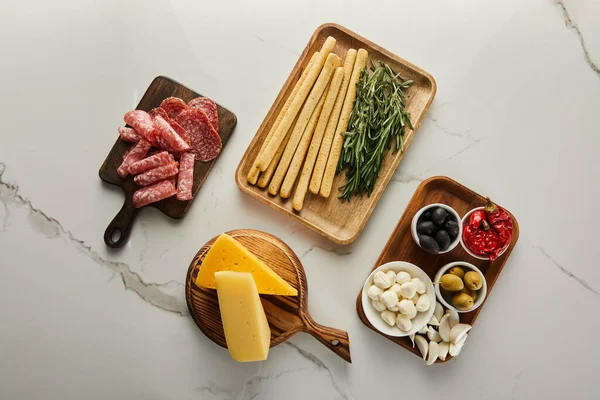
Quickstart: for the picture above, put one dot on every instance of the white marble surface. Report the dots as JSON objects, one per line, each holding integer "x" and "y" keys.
{"x": 519, "y": 87}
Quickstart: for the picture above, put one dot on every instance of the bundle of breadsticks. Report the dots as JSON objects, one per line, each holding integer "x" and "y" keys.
{"x": 304, "y": 144}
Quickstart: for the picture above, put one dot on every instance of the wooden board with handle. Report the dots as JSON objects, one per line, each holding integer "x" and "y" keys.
{"x": 401, "y": 246}
{"x": 287, "y": 315}
{"x": 160, "y": 88}
{"x": 328, "y": 216}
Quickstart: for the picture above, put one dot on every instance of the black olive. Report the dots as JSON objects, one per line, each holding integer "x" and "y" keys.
{"x": 426, "y": 216}
{"x": 439, "y": 216}
{"x": 452, "y": 228}
{"x": 429, "y": 244}
{"x": 426, "y": 228}
{"x": 443, "y": 239}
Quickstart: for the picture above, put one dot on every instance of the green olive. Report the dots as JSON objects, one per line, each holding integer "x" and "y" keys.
{"x": 458, "y": 271}
{"x": 462, "y": 301}
{"x": 472, "y": 293}
{"x": 473, "y": 280}
{"x": 452, "y": 283}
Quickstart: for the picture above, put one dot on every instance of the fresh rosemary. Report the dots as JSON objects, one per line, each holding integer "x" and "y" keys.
{"x": 377, "y": 117}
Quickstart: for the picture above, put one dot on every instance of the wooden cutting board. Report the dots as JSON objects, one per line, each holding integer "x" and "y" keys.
{"x": 401, "y": 246}
{"x": 287, "y": 315}
{"x": 160, "y": 88}
{"x": 329, "y": 217}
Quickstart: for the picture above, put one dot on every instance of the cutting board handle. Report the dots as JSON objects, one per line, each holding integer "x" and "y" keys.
{"x": 335, "y": 339}
{"x": 117, "y": 232}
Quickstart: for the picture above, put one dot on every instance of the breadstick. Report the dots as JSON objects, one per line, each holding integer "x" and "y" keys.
{"x": 292, "y": 173}
{"x": 338, "y": 140}
{"x": 264, "y": 159}
{"x": 317, "y": 176}
{"x": 311, "y": 157}
{"x": 265, "y": 176}
{"x": 315, "y": 95}
{"x": 254, "y": 171}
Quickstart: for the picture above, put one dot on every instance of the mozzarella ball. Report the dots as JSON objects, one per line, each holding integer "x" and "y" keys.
{"x": 389, "y": 317}
{"x": 407, "y": 308}
{"x": 381, "y": 280}
{"x": 423, "y": 303}
{"x": 374, "y": 292}
{"x": 403, "y": 322}
{"x": 420, "y": 285}
{"x": 389, "y": 298}
{"x": 408, "y": 289}
{"x": 378, "y": 305}
{"x": 402, "y": 277}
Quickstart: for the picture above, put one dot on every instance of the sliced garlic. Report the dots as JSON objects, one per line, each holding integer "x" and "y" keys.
{"x": 378, "y": 305}
{"x": 389, "y": 317}
{"x": 407, "y": 308}
{"x": 402, "y": 277}
{"x": 444, "y": 328}
{"x": 389, "y": 298}
{"x": 454, "y": 318}
{"x": 444, "y": 347}
{"x": 439, "y": 311}
{"x": 408, "y": 289}
{"x": 423, "y": 330}
{"x": 396, "y": 289}
{"x": 458, "y": 331}
{"x": 422, "y": 344}
{"x": 374, "y": 292}
{"x": 433, "y": 335}
{"x": 423, "y": 303}
{"x": 403, "y": 322}
{"x": 381, "y": 280}
{"x": 412, "y": 339}
{"x": 433, "y": 353}
{"x": 433, "y": 321}
{"x": 421, "y": 288}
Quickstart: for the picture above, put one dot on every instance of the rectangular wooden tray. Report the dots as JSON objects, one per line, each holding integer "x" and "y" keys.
{"x": 401, "y": 247}
{"x": 160, "y": 88}
{"x": 329, "y": 217}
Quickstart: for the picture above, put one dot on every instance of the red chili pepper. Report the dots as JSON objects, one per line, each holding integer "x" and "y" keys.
{"x": 489, "y": 231}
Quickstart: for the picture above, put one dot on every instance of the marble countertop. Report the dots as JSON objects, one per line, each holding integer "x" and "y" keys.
{"x": 518, "y": 88}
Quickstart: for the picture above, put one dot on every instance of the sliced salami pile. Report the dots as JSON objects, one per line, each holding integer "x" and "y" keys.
{"x": 180, "y": 133}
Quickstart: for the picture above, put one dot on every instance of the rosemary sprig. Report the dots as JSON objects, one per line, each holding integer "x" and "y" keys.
{"x": 377, "y": 119}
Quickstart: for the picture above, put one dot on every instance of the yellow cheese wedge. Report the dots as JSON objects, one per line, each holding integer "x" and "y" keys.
{"x": 227, "y": 254}
{"x": 247, "y": 331}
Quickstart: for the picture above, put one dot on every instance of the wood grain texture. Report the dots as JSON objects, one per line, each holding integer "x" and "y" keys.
{"x": 329, "y": 216}
{"x": 401, "y": 247}
{"x": 287, "y": 315}
{"x": 160, "y": 88}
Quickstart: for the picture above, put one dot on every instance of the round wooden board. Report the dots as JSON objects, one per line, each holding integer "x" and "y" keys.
{"x": 286, "y": 314}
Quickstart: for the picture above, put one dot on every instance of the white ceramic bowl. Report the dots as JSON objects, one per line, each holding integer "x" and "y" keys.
{"x": 413, "y": 225}
{"x": 421, "y": 318}
{"x": 463, "y": 223}
{"x": 481, "y": 293}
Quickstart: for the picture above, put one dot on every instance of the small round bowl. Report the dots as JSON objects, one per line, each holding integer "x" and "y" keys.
{"x": 481, "y": 293}
{"x": 418, "y": 322}
{"x": 463, "y": 223}
{"x": 413, "y": 225}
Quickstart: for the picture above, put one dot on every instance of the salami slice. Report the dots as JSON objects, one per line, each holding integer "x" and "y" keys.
{"x": 210, "y": 109}
{"x": 143, "y": 124}
{"x": 155, "y": 160}
{"x": 173, "y": 106}
{"x": 186, "y": 177}
{"x": 154, "y": 193}
{"x": 173, "y": 140}
{"x": 206, "y": 143}
{"x": 157, "y": 174}
{"x": 158, "y": 111}
{"x": 128, "y": 134}
{"x": 180, "y": 131}
{"x": 137, "y": 152}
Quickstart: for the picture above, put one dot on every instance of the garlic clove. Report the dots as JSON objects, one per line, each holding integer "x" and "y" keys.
{"x": 374, "y": 292}
{"x": 433, "y": 321}
{"x": 421, "y": 288}
{"x": 454, "y": 318}
{"x": 396, "y": 289}
{"x": 423, "y": 303}
{"x": 415, "y": 298}
{"x": 444, "y": 347}
{"x": 378, "y": 305}
{"x": 381, "y": 280}
{"x": 433, "y": 335}
{"x": 389, "y": 317}
{"x": 433, "y": 353}
{"x": 456, "y": 348}
{"x": 458, "y": 331}
{"x": 403, "y": 322}
{"x": 412, "y": 339}
{"x": 439, "y": 311}
{"x": 402, "y": 277}
{"x": 422, "y": 344}
{"x": 423, "y": 330}
{"x": 389, "y": 298}
{"x": 408, "y": 289}
{"x": 444, "y": 328}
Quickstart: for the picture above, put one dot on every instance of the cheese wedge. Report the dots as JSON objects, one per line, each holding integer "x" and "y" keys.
{"x": 247, "y": 331}
{"x": 227, "y": 254}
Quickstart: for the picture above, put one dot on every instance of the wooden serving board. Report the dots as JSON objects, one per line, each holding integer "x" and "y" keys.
{"x": 329, "y": 216}
{"x": 160, "y": 88}
{"x": 401, "y": 247}
{"x": 287, "y": 315}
